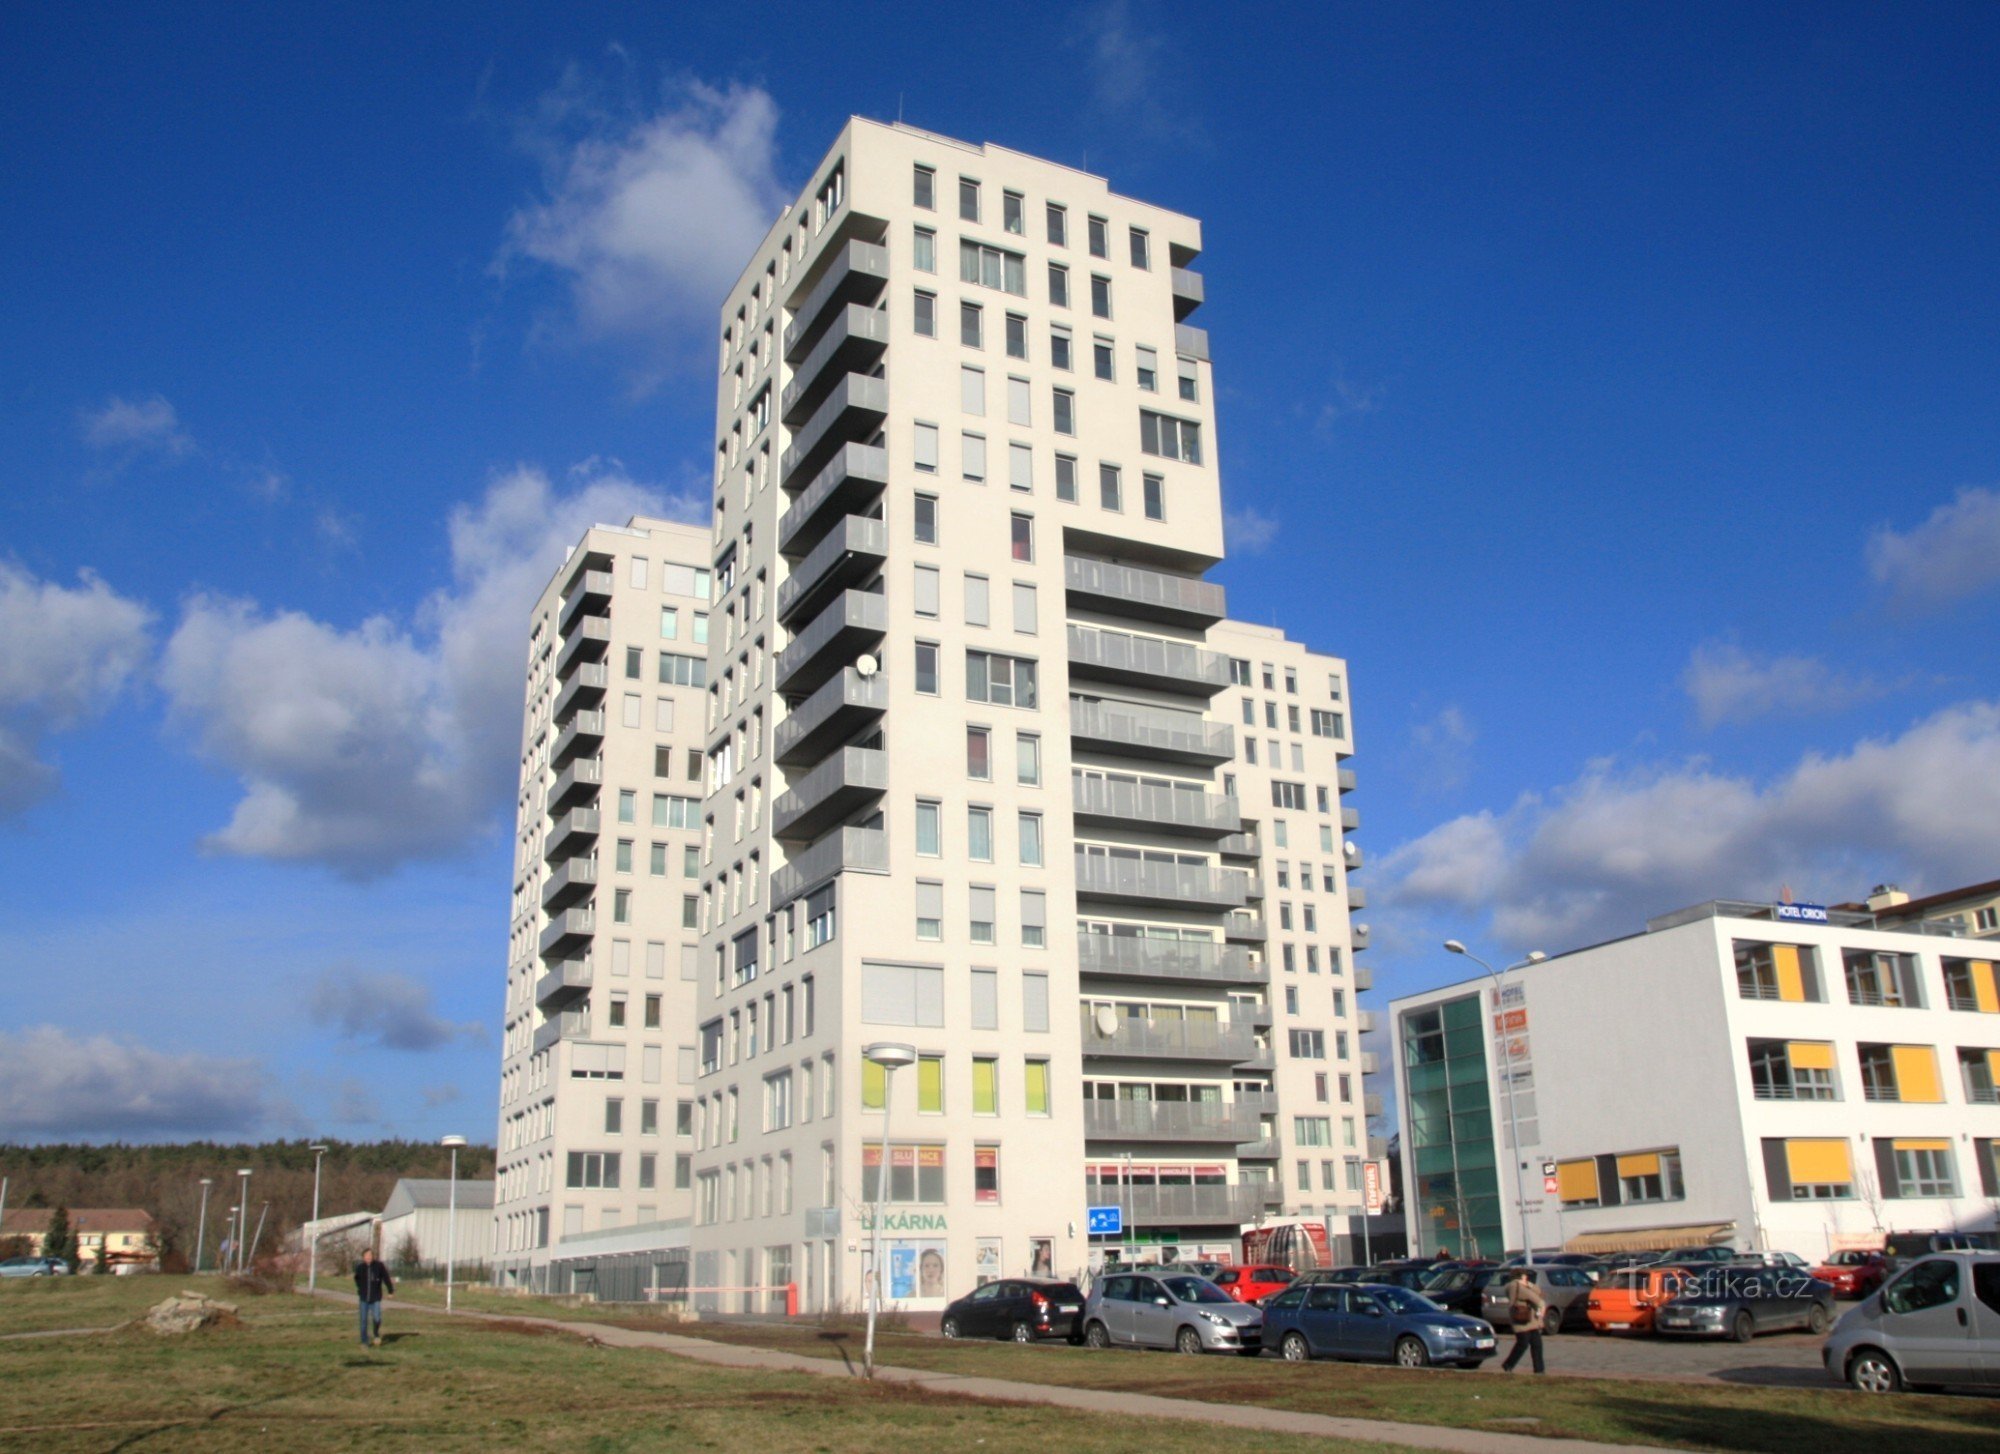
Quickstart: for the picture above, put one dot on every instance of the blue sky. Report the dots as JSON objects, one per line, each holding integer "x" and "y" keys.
{"x": 1617, "y": 391}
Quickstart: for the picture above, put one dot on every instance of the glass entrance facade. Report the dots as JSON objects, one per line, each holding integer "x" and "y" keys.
{"x": 1448, "y": 1116}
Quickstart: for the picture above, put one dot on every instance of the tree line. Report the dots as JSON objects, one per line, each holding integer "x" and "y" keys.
{"x": 165, "y": 1180}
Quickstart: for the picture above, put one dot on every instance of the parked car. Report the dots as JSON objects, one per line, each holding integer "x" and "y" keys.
{"x": 1697, "y": 1256}
{"x": 1411, "y": 1275}
{"x": 1935, "y": 1322}
{"x": 1331, "y": 1274}
{"x": 1170, "y": 1310}
{"x": 1788, "y": 1260}
{"x": 1566, "y": 1288}
{"x": 1460, "y": 1288}
{"x": 1201, "y": 1267}
{"x": 1626, "y": 1301}
{"x": 1377, "y": 1321}
{"x": 1019, "y": 1308}
{"x": 34, "y": 1267}
{"x": 1852, "y": 1273}
{"x": 1253, "y": 1284}
{"x": 1902, "y": 1248}
{"x": 1741, "y": 1302}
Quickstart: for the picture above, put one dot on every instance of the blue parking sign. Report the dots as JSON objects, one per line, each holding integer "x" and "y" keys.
{"x": 1107, "y": 1221}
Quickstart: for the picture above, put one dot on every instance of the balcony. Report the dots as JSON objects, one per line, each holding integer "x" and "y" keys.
{"x": 1364, "y": 1022}
{"x": 858, "y": 274}
{"x": 572, "y": 832}
{"x": 1371, "y": 1105}
{"x": 562, "y": 1027}
{"x": 851, "y": 552}
{"x": 1358, "y": 935}
{"x": 852, "y": 413}
{"x": 1155, "y": 732}
{"x": 1240, "y": 845}
{"x": 568, "y": 932}
{"x": 1145, "y": 661}
{"x": 1346, "y": 779}
{"x": 1101, "y": 802}
{"x": 566, "y": 982}
{"x": 850, "y": 344}
{"x": 586, "y": 689}
{"x": 1135, "y": 1039}
{"x": 582, "y": 735}
{"x": 847, "y": 484}
{"x": 1378, "y": 1147}
{"x": 1152, "y": 1206}
{"x": 1149, "y": 595}
{"x": 1158, "y": 885}
{"x": 1264, "y": 1149}
{"x": 588, "y": 640}
{"x": 1357, "y": 897}
{"x": 839, "y": 709}
{"x": 1350, "y": 819}
{"x": 855, "y": 621}
{"x": 1364, "y": 978}
{"x": 846, "y": 850}
{"x": 589, "y": 594}
{"x": 1191, "y": 341}
{"x": 1246, "y": 929}
{"x": 1216, "y": 1121}
{"x": 578, "y": 782}
{"x": 850, "y": 779}
{"x": 1353, "y": 856}
{"x": 1188, "y": 292}
{"x": 1261, "y": 1057}
{"x": 1167, "y": 961}
{"x": 573, "y": 879}
{"x": 1371, "y": 1063}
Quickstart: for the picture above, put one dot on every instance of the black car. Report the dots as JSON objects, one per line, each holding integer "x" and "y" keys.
{"x": 1020, "y": 1308}
{"x": 1741, "y": 1302}
{"x": 1409, "y": 1275}
{"x": 1341, "y": 1275}
{"x": 1902, "y": 1248}
{"x": 1461, "y": 1289}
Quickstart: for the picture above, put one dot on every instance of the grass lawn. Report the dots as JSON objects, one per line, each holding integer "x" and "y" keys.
{"x": 293, "y": 1378}
{"x": 1691, "y": 1415}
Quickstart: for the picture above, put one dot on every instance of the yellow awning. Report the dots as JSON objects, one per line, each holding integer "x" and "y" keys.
{"x": 1650, "y": 1239}
{"x": 1791, "y": 979}
{"x": 1646, "y": 1163}
{"x": 1931, "y": 1145}
{"x": 1993, "y": 1065}
{"x": 1819, "y": 1163}
{"x": 1576, "y": 1181}
{"x": 1810, "y": 1055}
{"x": 1985, "y": 993}
{"x": 1916, "y": 1073}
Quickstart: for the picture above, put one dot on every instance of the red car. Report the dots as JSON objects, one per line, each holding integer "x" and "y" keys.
{"x": 1254, "y": 1283}
{"x": 1852, "y": 1274}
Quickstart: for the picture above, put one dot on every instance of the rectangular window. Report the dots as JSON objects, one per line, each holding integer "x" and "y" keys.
{"x": 1109, "y": 494}
{"x": 930, "y": 833}
{"x": 1168, "y": 437}
{"x": 1035, "y": 1002}
{"x": 1019, "y": 410}
{"x": 1103, "y": 355}
{"x": 924, "y": 193}
{"x": 1020, "y": 468}
{"x": 1035, "y": 1087}
{"x": 971, "y": 325}
{"x": 1149, "y": 369}
{"x": 1004, "y": 681}
{"x": 982, "y": 900}
{"x": 1024, "y": 608}
{"x": 924, "y": 518}
{"x": 1034, "y": 919}
{"x": 972, "y": 391}
{"x": 972, "y": 462}
{"x": 1058, "y": 225}
{"x": 902, "y": 994}
{"x": 1028, "y": 759}
{"x": 979, "y": 754}
{"x": 1190, "y": 380}
{"x": 930, "y": 911}
{"x": 916, "y": 1173}
{"x": 1021, "y": 537}
{"x": 991, "y": 267}
{"x": 923, "y": 251}
{"x": 1100, "y": 237}
{"x": 985, "y": 1086}
{"x": 1031, "y": 840}
{"x": 1924, "y": 1169}
{"x": 968, "y": 200}
{"x": 930, "y": 1085}
{"x": 1059, "y": 348}
{"x": 1058, "y": 286}
{"x": 985, "y": 999}
{"x": 923, "y": 314}
{"x": 1017, "y": 336}
{"x": 1066, "y": 477}
{"x": 1156, "y": 497}
{"x": 927, "y": 668}
{"x": 1100, "y": 296}
{"x": 979, "y": 834}
{"x": 1013, "y": 213}
{"x": 975, "y": 600}
{"x": 1065, "y": 411}
{"x": 926, "y": 590}
{"x": 1142, "y": 249}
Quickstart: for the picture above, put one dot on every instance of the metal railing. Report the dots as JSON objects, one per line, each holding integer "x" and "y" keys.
{"x": 1169, "y": 1039}
{"x": 1166, "y": 883}
{"x": 1174, "y": 665}
{"x": 1198, "y": 960}
{"x": 1221, "y": 1121}
{"x": 1153, "y": 729}
{"x": 845, "y": 850}
{"x": 1166, "y": 808}
{"x": 1136, "y": 591}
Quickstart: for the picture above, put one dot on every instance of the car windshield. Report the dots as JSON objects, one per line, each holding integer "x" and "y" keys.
{"x": 1402, "y": 1300}
{"x": 1847, "y": 1259}
{"x": 1448, "y": 1281}
{"x": 1196, "y": 1290}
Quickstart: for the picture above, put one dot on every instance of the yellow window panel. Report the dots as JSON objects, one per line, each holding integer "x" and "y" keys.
{"x": 1810, "y": 1055}
{"x": 1791, "y": 979}
{"x": 873, "y": 1078}
{"x": 1916, "y": 1074}
{"x": 1993, "y": 1065}
{"x": 930, "y": 1084}
{"x": 1985, "y": 992}
{"x": 1576, "y": 1181}
{"x": 1645, "y": 1164}
{"x": 1939, "y": 1145}
{"x": 1819, "y": 1163}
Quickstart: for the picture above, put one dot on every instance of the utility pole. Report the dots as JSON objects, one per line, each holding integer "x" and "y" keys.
{"x": 312, "y": 1231}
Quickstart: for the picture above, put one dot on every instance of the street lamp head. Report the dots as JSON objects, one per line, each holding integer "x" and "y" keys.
{"x": 208, "y": 1181}
{"x": 1535, "y": 956}
{"x": 1454, "y": 946}
{"x": 243, "y": 1171}
{"x": 317, "y": 1148}
{"x": 889, "y": 1054}
{"x": 452, "y": 1141}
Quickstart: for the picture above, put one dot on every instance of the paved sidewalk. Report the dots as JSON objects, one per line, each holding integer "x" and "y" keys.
{"x": 1084, "y": 1400}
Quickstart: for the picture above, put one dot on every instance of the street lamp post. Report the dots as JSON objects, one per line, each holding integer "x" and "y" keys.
{"x": 889, "y": 1056}
{"x": 201, "y": 1222}
{"x": 242, "y": 1215}
{"x": 451, "y": 1224}
{"x": 1507, "y": 1061}
{"x": 312, "y": 1228}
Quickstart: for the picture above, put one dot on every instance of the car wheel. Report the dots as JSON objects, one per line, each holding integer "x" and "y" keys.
{"x": 1552, "y": 1321}
{"x": 1816, "y": 1319}
{"x": 1743, "y": 1328}
{"x": 1873, "y": 1371}
{"x": 1097, "y": 1336}
{"x": 1187, "y": 1341}
{"x": 1296, "y": 1349}
{"x": 949, "y": 1327}
{"x": 1023, "y": 1333}
{"x": 1411, "y": 1353}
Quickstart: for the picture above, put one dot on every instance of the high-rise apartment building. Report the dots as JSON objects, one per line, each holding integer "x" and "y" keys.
{"x": 989, "y": 775}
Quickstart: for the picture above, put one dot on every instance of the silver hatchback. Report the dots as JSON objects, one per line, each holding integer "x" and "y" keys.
{"x": 1936, "y": 1322}
{"x": 1170, "y": 1310}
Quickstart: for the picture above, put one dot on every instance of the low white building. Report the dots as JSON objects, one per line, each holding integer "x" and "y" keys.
{"x": 1773, "y": 1076}
{"x": 418, "y": 1214}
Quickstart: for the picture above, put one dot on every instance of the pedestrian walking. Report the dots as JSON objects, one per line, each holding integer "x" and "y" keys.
{"x": 1525, "y": 1307}
{"x": 372, "y": 1282}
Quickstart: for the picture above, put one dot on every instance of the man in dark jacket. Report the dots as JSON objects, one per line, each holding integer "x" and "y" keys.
{"x": 371, "y": 1283}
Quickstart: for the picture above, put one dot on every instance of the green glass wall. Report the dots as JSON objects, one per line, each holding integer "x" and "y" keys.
{"x": 1448, "y": 1119}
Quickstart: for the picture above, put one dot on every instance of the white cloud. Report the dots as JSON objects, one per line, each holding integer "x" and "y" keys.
{"x": 55, "y": 1086}
{"x": 649, "y": 215}
{"x": 1728, "y": 684}
{"x": 361, "y": 747}
{"x": 136, "y": 426}
{"x": 390, "y": 1008}
{"x": 1616, "y": 846}
{"x": 1443, "y": 750}
{"x": 1132, "y": 74}
{"x": 1346, "y": 400}
{"x": 1954, "y": 554}
{"x": 70, "y": 650}
{"x": 1248, "y": 531}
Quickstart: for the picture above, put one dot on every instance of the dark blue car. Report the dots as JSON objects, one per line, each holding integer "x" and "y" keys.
{"x": 1375, "y": 1322}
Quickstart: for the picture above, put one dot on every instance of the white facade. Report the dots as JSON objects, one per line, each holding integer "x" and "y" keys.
{"x": 1686, "y": 1083}
{"x": 419, "y": 1216}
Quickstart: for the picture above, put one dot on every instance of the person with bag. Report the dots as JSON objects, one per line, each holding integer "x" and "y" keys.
{"x": 371, "y": 1282}
{"x": 1525, "y": 1309}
